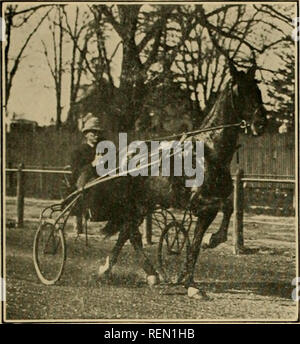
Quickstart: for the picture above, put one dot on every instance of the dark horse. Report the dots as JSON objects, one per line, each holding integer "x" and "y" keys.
{"x": 125, "y": 201}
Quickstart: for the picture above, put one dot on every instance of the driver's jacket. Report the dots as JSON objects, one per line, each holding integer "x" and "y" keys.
{"x": 81, "y": 165}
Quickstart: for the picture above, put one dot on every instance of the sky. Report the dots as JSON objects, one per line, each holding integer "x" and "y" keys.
{"x": 33, "y": 93}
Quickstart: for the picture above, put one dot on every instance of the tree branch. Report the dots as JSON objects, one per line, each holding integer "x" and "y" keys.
{"x": 275, "y": 13}
{"x": 32, "y": 9}
{"x": 13, "y": 71}
{"x": 149, "y": 35}
{"x": 47, "y": 59}
{"x": 220, "y": 9}
{"x": 117, "y": 26}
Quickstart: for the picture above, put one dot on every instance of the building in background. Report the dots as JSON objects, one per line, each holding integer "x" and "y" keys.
{"x": 17, "y": 123}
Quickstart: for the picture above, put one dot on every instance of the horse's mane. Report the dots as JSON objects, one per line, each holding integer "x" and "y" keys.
{"x": 210, "y": 113}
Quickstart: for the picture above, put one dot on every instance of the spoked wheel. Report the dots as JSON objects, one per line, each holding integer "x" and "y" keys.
{"x": 49, "y": 253}
{"x": 172, "y": 252}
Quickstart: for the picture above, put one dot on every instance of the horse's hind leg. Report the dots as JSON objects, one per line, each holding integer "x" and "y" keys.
{"x": 105, "y": 270}
{"x": 215, "y": 239}
{"x": 136, "y": 241}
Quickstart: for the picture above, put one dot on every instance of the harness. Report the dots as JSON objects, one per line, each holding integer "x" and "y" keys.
{"x": 243, "y": 124}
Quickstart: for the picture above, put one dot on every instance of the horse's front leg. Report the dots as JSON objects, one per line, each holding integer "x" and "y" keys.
{"x": 136, "y": 241}
{"x": 215, "y": 239}
{"x": 205, "y": 218}
{"x": 105, "y": 270}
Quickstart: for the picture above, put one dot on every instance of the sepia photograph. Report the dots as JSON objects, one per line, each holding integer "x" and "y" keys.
{"x": 149, "y": 159}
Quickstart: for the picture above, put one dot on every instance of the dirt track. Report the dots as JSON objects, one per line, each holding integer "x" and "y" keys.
{"x": 245, "y": 287}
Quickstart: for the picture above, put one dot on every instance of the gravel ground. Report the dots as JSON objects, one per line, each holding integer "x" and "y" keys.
{"x": 247, "y": 287}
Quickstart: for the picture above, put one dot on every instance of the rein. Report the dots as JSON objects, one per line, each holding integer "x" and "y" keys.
{"x": 243, "y": 124}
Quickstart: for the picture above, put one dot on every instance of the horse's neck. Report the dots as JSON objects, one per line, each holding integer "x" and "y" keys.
{"x": 221, "y": 144}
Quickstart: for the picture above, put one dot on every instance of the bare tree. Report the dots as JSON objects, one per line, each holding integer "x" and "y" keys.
{"x": 236, "y": 33}
{"x": 138, "y": 56}
{"x": 188, "y": 45}
{"x": 56, "y": 63}
{"x": 14, "y": 19}
{"x": 80, "y": 36}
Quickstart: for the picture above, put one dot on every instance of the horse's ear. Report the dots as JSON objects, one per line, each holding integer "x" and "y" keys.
{"x": 251, "y": 71}
{"x": 232, "y": 69}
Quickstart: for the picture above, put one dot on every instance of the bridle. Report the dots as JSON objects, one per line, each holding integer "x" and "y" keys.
{"x": 243, "y": 123}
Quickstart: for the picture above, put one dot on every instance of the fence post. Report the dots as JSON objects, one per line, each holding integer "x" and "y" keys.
{"x": 42, "y": 183}
{"x": 20, "y": 195}
{"x": 294, "y": 198}
{"x": 9, "y": 180}
{"x": 148, "y": 229}
{"x": 238, "y": 201}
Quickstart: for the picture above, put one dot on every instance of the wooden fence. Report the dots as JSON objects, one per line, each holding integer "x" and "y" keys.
{"x": 270, "y": 156}
{"x": 238, "y": 200}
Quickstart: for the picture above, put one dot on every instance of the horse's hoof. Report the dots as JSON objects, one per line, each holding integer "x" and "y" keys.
{"x": 152, "y": 280}
{"x": 212, "y": 241}
{"x": 104, "y": 269}
{"x": 207, "y": 240}
{"x": 197, "y": 294}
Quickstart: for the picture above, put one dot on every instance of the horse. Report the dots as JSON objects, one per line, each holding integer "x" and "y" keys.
{"x": 126, "y": 201}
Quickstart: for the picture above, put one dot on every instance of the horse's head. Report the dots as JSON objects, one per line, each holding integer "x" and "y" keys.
{"x": 247, "y": 99}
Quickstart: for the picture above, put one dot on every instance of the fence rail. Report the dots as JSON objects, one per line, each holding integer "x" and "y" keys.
{"x": 267, "y": 180}
{"x": 264, "y": 178}
{"x": 30, "y": 170}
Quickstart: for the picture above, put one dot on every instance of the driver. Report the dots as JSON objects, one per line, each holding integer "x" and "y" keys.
{"x": 84, "y": 161}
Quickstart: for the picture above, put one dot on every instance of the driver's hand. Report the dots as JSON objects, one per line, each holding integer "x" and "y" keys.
{"x": 96, "y": 160}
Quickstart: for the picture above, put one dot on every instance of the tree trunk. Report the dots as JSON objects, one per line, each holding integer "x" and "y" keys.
{"x": 58, "y": 108}
{"x": 8, "y": 25}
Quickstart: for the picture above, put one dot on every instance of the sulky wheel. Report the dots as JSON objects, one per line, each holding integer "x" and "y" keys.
{"x": 49, "y": 252}
{"x": 172, "y": 250}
